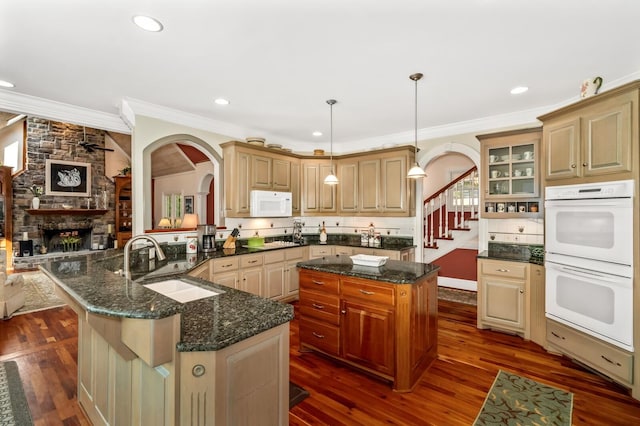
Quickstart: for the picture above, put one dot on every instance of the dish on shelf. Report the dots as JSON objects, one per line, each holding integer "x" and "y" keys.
{"x": 516, "y": 157}
{"x": 369, "y": 260}
{"x": 504, "y": 158}
{"x": 274, "y": 146}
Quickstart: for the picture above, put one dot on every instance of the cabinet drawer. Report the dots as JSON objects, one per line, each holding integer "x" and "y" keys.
{"x": 348, "y": 251}
{"x": 368, "y": 291}
{"x": 323, "y": 336}
{"x": 294, "y": 253}
{"x": 274, "y": 256}
{"x": 609, "y": 360}
{"x": 504, "y": 269}
{"x": 226, "y": 264}
{"x": 319, "y": 282}
{"x": 319, "y": 251}
{"x": 250, "y": 260}
{"x": 320, "y": 306}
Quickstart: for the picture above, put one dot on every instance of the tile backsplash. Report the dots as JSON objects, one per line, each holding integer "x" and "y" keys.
{"x": 524, "y": 231}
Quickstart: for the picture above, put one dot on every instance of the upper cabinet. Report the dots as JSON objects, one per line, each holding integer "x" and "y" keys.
{"x": 592, "y": 140}
{"x": 510, "y": 185}
{"x": 374, "y": 184}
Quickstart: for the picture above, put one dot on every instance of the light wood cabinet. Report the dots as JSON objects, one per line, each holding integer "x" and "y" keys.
{"x": 124, "y": 209}
{"x": 369, "y": 186}
{"x": 224, "y": 271}
{"x": 247, "y": 168}
{"x": 202, "y": 271}
{"x": 317, "y": 198}
{"x": 274, "y": 275}
{"x": 251, "y": 276}
{"x": 385, "y": 329}
{"x": 511, "y": 298}
{"x": 592, "y": 140}
{"x": 348, "y": 194}
{"x": 510, "y": 172}
{"x": 295, "y": 188}
{"x": 316, "y": 252}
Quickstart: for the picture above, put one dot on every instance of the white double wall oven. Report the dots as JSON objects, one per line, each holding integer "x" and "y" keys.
{"x": 589, "y": 259}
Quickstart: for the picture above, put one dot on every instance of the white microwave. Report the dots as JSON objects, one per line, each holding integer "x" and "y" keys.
{"x": 270, "y": 204}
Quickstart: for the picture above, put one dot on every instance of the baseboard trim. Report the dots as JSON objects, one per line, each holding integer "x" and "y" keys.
{"x": 458, "y": 283}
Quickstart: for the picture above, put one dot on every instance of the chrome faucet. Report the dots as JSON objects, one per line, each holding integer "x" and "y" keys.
{"x": 127, "y": 249}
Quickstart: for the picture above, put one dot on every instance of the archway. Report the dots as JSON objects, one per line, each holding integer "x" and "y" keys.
{"x": 203, "y": 184}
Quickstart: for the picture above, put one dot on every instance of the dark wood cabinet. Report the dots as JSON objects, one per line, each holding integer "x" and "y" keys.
{"x": 6, "y": 226}
{"x": 382, "y": 328}
{"x": 124, "y": 209}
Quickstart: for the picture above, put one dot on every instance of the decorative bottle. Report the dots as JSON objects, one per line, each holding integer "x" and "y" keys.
{"x": 323, "y": 234}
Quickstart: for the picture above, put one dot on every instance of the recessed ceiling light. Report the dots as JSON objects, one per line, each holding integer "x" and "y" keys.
{"x": 148, "y": 23}
{"x": 6, "y": 84}
{"x": 316, "y": 133}
{"x": 518, "y": 90}
{"x": 221, "y": 101}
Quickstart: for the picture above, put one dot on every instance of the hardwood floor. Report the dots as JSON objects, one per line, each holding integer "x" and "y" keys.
{"x": 451, "y": 392}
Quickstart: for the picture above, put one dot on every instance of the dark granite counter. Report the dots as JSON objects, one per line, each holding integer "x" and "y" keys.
{"x": 394, "y": 271}
{"x": 207, "y": 324}
{"x": 514, "y": 252}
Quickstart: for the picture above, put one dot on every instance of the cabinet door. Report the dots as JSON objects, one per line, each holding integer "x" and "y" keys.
{"x": 606, "y": 136}
{"x": 562, "y": 149}
{"x": 229, "y": 279}
{"x": 260, "y": 172}
{"x": 394, "y": 185}
{"x": 281, "y": 173}
{"x": 274, "y": 280}
{"x": 368, "y": 336}
{"x": 369, "y": 186}
{"x": 291, "y": 278}
{"x": 295, "y": 188}
{"x": 503, "y": 302}
{"x": 203, "y": 271}
{"x": 242, "y": 193}
{"x": 348, "y": 175}
{"x": 327, "y": 193}
{"x": 251, "y": 281}
{"x": 310, "y": 188}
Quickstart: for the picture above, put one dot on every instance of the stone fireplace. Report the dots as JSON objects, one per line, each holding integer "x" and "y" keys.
{"x": 57, "y": 240}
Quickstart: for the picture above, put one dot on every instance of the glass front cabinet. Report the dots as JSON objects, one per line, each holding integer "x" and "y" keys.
{"x": 510, "y": 184}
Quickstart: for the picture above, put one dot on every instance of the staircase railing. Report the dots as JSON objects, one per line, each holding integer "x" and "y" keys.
{"x": 451, "y": 207}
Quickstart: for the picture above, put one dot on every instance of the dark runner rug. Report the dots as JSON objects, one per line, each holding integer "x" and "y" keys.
{"x": 516, "y": 400}
{"x": 296, "y": 394}
{"x": 14, "y": 410}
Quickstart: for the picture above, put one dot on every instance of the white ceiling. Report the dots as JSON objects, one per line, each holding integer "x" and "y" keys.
{"x": 278, "y": 61}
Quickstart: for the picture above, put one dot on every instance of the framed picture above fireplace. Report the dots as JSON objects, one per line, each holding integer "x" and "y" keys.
{"x": 67, "y": 178}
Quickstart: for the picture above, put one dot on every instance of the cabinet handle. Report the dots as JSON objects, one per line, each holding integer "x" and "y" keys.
{"x": 368, "y": 293}
{"x": 585, "y": 164}
{"x": 521, "y": 291}
{"x": 318, "y": 306}
{"x": 317, "y": 282}
{"x": 557, "y": 335}
{"x": 227, "y": 266}
{"x": 253, "y": 261}
{"x": 343, "y": 311}
{"x": 502, "y": 270}
{"x": 573, "y": 166}
{"x": 609, "y": 361}
{"x": 319, "y": 336}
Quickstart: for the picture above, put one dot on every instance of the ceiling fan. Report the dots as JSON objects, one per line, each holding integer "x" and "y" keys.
{"x": 89, "y": 146}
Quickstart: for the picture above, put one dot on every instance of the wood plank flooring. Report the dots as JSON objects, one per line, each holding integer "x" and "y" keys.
{"x": 451, "y": 392}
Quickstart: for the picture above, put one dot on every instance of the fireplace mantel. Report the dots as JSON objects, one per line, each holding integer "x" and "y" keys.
{"x": 70, "y": 212}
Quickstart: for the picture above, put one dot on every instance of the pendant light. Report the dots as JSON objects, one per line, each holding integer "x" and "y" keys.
{"x": 331, "y": 178}
{"x": 416, "y": 172}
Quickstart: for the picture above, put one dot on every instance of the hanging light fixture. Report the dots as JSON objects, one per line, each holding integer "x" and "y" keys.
{"x": 331, "y": 178}
{"x": 416, "y": 172}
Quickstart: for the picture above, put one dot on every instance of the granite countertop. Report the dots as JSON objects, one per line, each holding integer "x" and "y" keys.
{"x": 393, "y": 271}
{"x": 514, "y": 252}
{"x": 207, "y": 324}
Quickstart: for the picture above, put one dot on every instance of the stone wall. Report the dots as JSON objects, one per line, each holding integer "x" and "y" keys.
{"x": 47, "y": 139}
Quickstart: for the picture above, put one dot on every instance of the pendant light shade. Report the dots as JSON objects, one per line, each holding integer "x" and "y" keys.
{"x": 331, "y": 178}
{"x": 416, "y": 172}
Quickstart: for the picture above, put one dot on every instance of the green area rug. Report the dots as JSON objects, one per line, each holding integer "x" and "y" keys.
{"x": 38, "y": 293}
{"x": 14, "y": 409}
{"x": 516, "y": 400}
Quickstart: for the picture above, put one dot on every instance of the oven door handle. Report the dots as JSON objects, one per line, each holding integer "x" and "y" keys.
{"x": 590, "y": 274}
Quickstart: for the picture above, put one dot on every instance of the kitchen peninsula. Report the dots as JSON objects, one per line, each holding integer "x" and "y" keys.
{"x": 144, "y": 358}
{"x": 382, "y": 320}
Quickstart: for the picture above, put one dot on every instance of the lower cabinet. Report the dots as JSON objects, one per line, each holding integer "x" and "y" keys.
{"x": 511, "y": 298}
{"x": 274, "y": 274}
{"x": 386, "y": 329}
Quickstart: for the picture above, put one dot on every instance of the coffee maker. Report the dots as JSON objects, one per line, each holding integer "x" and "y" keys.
{"x": 206, "y": 238}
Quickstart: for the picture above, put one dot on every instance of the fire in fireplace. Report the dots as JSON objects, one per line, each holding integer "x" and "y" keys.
{"x": 56, "y": 240}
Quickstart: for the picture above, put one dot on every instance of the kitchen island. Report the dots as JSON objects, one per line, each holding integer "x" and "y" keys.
{"x": 382, "y": 320}
{"x": 145, "y": 358}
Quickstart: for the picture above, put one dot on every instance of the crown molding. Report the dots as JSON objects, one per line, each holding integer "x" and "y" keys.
{"x": 59, "y": 111}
